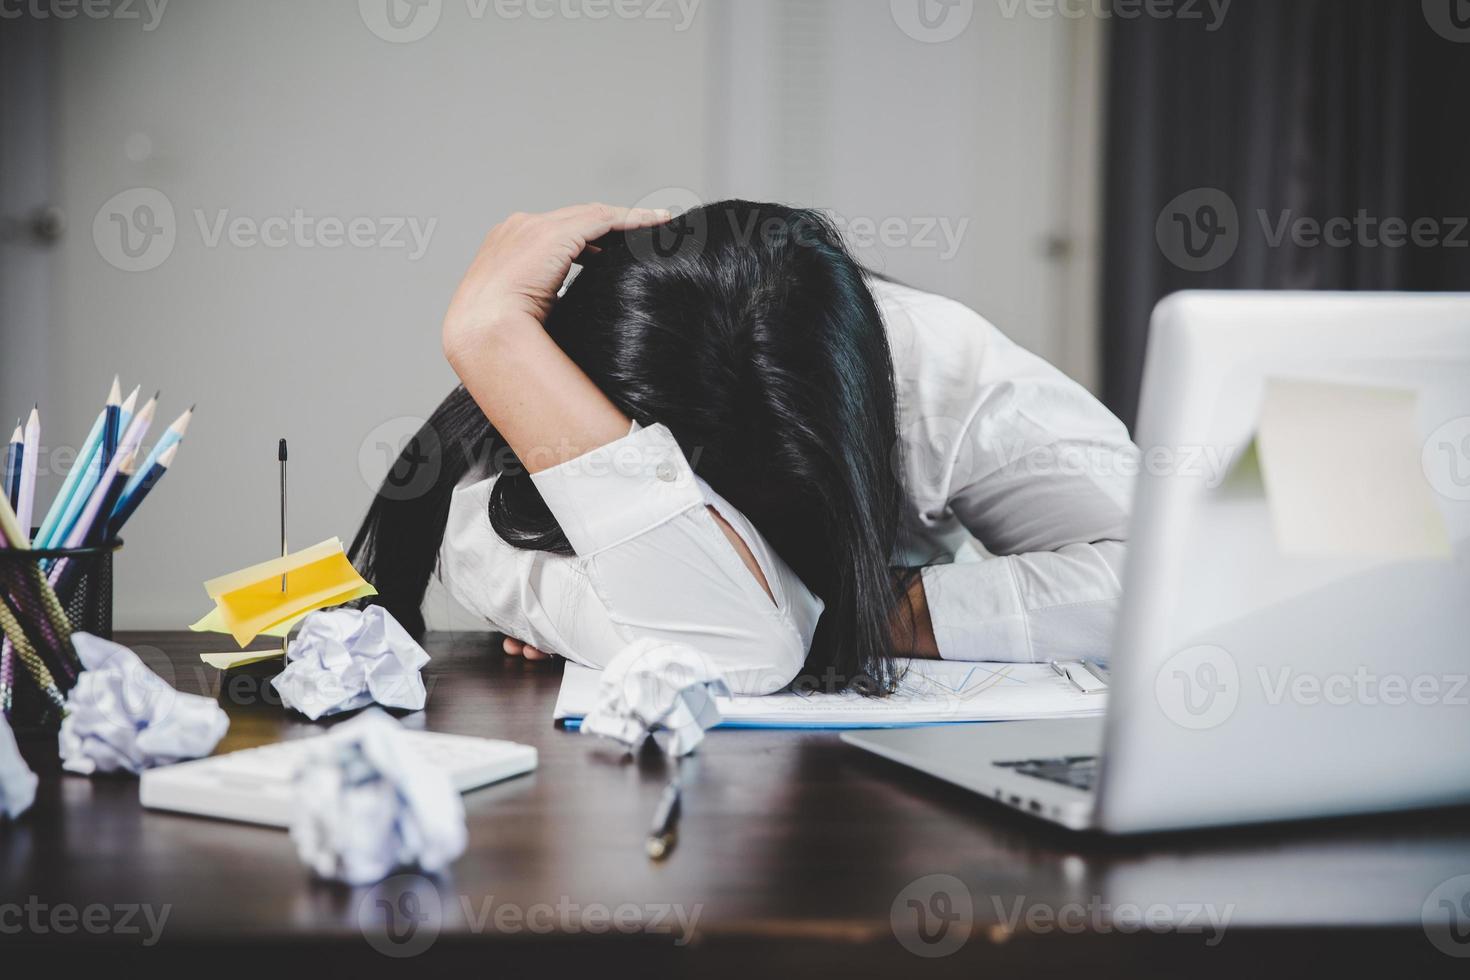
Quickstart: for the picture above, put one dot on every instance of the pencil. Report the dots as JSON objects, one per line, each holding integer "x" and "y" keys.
{"x": 112, "y": 422}
{"x": 12, "y": 534}
{"x": 14, "y": 451}
{"x": 171, "y": 437}
{"x": 79, "y": 480}
{"x": 132, "y": 498}
{"x": 66, "y": 534}
{"x": 29, "y": 469}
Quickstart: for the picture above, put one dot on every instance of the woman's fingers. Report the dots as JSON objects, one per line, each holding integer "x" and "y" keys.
{"x": 518, "y": 648}
{"x": 587, "y": 222}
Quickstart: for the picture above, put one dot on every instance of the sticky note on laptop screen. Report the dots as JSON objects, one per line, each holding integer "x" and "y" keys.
{"x": 1342, "y": 472}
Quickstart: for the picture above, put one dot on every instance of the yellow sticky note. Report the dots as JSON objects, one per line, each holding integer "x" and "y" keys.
{"x": 251, "y": 601}
{"x": 225, "y": 661}
{"x": 1341, "y": 464}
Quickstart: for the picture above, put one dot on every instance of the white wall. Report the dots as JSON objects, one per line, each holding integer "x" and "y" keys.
{"x": 263, "y": 108}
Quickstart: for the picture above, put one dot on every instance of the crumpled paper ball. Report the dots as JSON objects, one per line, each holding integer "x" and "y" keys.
{"x": 17, "y": 782}
{"x": 365, "y": 805}
{"x": 123, "y": 716}
{"x": 655, "y": 685}
{"x": 344, "y": 659}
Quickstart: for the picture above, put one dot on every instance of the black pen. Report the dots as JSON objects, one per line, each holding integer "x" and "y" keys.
{"x": 665, "y": 823}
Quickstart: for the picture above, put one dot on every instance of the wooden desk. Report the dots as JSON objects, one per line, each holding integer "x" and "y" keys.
{"x": 795, "y": 854}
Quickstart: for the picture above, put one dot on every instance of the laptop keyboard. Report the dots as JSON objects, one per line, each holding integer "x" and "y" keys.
{"x": 1076, "y": 771}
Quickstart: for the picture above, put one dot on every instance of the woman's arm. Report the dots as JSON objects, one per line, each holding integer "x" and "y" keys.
{"x": 546, "y": 407}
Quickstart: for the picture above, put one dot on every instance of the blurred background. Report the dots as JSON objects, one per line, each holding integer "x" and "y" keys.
{"x": 263, "y": 207}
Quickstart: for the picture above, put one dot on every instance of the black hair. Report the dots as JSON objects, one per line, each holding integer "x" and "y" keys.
{"x": 749, "y": 331}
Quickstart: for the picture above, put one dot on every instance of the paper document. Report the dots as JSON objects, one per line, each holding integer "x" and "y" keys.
{"x": 932, "y": 692}
{"x": 1342, "y": 469}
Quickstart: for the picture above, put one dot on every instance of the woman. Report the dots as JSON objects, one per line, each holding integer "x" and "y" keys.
{"x": 725, "y": 432}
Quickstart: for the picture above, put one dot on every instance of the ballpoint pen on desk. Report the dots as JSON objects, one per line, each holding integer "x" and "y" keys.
{"x": 665, "y": 830}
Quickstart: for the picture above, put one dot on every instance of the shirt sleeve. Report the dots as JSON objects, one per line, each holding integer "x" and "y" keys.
{"x": 661, "y": 567}
{"x": 1042, "y": 476}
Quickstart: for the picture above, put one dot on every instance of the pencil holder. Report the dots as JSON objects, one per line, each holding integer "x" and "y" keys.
{"x": 83, "y": 590}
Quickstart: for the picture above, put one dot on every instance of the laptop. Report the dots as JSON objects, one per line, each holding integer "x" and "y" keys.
{"x": 1293, "y": 638}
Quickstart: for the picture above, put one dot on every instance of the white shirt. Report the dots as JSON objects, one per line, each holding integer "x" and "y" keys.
{"x": 1018, "y": 484}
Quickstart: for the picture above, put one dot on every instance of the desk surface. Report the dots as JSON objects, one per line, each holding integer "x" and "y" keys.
{"x": 796, "y": 850}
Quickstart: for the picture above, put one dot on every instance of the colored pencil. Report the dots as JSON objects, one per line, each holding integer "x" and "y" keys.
{"x": 171, "y": 437}
{"x": 81, "y": 469}
{"x": 127, "y": 448}
{"x": 29, "y": 469}
{"x": 14, "y": 453}
{"x": 130, "y": 500}
{"x": 112, "y": 423}
{"x": 86, "y": 489}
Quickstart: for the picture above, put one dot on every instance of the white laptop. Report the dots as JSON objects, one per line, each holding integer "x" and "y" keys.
{"x": 1294, "y": 637}
{"x": 254, "y": 785}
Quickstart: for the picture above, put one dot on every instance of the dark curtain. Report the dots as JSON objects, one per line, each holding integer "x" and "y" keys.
{"x": 1303, "y": 109}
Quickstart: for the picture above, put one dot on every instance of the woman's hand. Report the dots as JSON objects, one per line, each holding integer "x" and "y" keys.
{"x": 523, "y": 262}
{"x": 540, "y": 402}
{"x": 518, "y": 648}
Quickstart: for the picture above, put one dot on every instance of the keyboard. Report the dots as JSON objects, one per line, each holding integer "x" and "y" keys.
{"x": 254, "y": 785}
{"x": 1076, "y": 771}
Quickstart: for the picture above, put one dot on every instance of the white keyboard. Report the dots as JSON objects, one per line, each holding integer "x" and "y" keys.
{"x": 254, "y": 785}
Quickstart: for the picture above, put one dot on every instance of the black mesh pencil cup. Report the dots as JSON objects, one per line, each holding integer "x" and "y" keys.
{"x": 46, "y": 594}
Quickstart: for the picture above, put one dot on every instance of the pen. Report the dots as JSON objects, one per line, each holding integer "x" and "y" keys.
{"x": 665, "y": 823}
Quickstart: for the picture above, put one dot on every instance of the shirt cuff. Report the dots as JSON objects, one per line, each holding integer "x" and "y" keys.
{"x": 620, "y": 490}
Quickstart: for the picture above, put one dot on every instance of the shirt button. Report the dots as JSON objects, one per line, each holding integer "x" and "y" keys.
{"x": 665, "y": 471}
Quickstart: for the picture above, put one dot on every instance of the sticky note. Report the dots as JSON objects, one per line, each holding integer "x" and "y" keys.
{"x": 251, "y": 601}
{"x": 1342, "y": 472}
